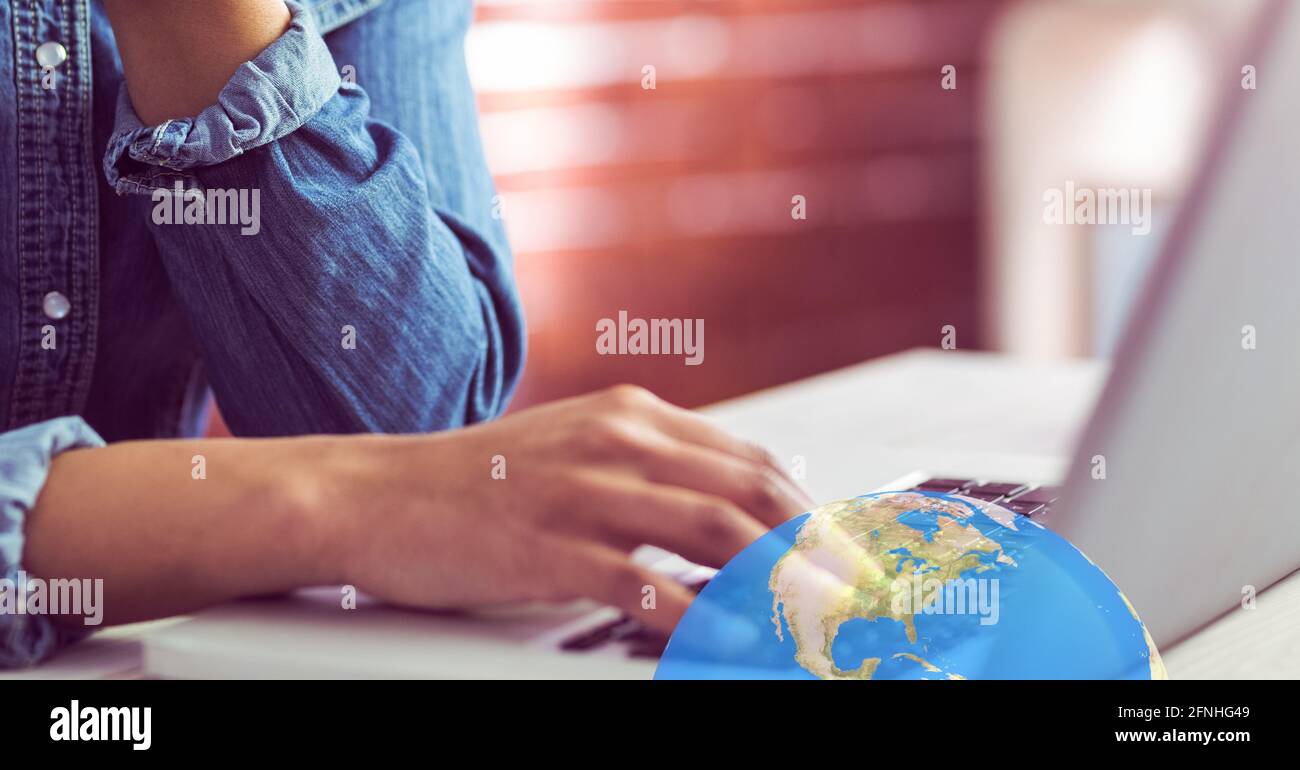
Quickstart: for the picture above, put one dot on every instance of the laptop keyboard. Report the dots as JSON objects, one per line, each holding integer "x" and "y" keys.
{"x": 642, "y": 642}
{"x": 1024, "y": 499}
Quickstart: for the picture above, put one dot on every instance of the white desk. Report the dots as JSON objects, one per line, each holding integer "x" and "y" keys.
{"x": 946, "y": 412}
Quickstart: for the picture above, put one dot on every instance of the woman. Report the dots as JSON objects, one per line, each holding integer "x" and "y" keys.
{"x": 207, "y": 200}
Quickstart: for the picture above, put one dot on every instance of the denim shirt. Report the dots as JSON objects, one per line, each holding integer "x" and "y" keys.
{"x": 372, "y": 292}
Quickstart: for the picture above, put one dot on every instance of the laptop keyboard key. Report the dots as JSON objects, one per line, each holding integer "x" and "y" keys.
{"x": 1038, "y": 495}
{"x": 993, "y": 490}
{"x": 1025, "y": 508}
{"x": 943, "y": 485}
{"x": 593, "y": 638}
{"x": 695, "y": 586}
{"x": 647, "y": 643}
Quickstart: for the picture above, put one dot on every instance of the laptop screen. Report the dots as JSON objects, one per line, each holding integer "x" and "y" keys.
{"x": 1181, "y": 488}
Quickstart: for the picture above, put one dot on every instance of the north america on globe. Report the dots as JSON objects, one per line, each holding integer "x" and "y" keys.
{"x": 911, "y": 585}
{"x": 848, "y": 563}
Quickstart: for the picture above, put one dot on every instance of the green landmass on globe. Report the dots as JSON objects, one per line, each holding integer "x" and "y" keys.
{"x": 852, "y": 560}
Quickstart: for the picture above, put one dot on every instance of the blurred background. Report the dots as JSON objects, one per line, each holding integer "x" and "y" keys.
{"x": 923, "y": 204}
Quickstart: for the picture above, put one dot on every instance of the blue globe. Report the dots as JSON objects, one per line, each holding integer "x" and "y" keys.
{"x": 911, "y": 585}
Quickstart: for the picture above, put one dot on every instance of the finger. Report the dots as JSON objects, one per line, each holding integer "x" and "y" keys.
{"x": 593, "y": 571}
{"x": 627, "y": 512}
{"x": 756, "y": 489}
{"x": 688, "y": 426}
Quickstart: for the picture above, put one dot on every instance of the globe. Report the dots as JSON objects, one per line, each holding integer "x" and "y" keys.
{"x": 911, "y": 585}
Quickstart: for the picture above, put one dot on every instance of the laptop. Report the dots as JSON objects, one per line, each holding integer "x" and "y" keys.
{"x": 1197, "y": 430}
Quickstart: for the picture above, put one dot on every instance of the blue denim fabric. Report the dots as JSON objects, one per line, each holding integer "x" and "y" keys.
{"x": 25, "y": 456}
{"x": 376, "y": 215}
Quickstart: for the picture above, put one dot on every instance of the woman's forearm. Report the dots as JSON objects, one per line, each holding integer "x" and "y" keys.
{"x": 177, "y": 56}
{"x": 166, "y": 542}
{"x": 432, "y": 521}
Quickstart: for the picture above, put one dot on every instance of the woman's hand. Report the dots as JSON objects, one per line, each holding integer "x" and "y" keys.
{"x": 578, "y": 484}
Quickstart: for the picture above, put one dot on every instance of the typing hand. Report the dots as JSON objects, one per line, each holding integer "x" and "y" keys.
{"x": 547, "y": 503}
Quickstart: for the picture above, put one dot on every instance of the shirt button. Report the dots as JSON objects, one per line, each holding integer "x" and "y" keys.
{"x": 51, "y": 54}
{"x": 56, "y": 306}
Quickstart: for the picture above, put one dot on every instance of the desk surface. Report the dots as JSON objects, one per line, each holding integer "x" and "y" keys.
{"x": 946, "y": 412}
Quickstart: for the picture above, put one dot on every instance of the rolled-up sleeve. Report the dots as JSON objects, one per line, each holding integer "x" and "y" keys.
{"x": 358, "y": 300}
{"x": 25, "y": 456}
